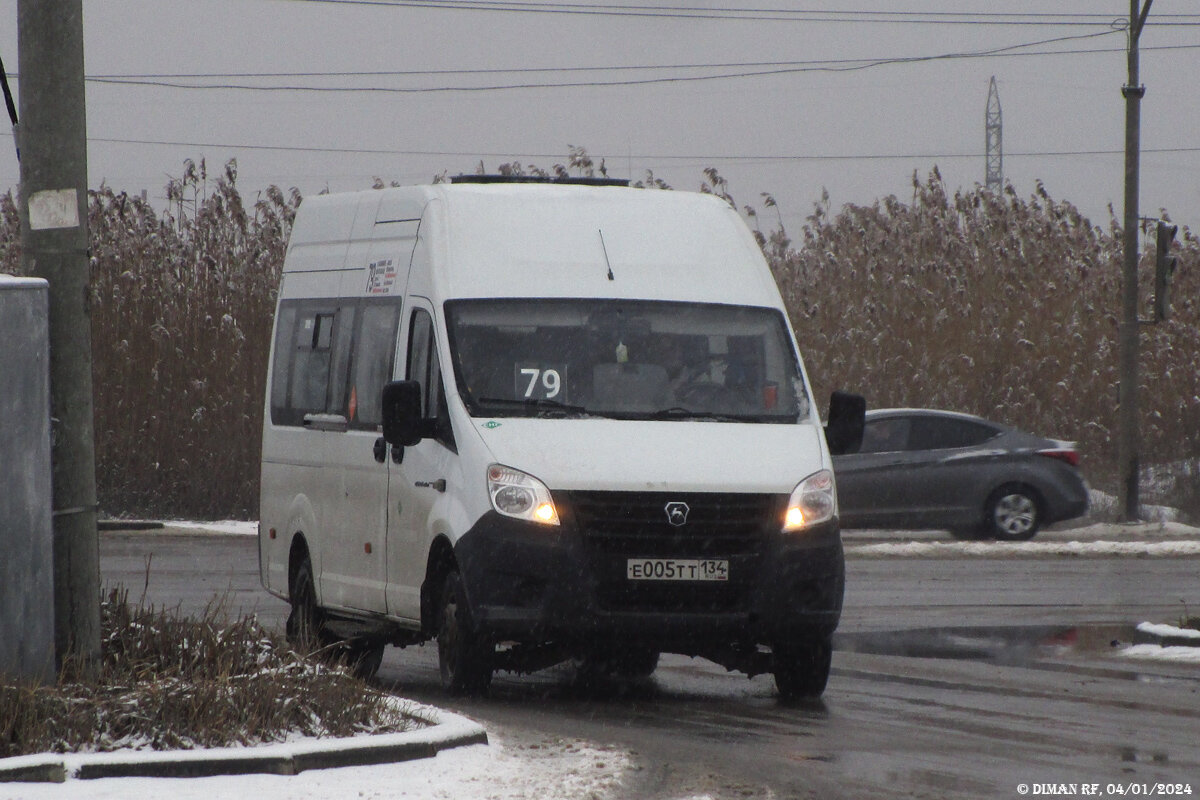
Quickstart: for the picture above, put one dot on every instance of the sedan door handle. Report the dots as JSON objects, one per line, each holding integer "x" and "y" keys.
{"x": 439, "y": 484}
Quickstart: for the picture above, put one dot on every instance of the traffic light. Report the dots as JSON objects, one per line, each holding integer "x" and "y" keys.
{"x": 1164, "y": 268}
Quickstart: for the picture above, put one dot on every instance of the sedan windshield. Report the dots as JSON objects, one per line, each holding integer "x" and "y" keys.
{"x": 625, "y": 359}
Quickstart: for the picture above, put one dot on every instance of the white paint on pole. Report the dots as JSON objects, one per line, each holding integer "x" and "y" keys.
{"x": 53, "y": 208}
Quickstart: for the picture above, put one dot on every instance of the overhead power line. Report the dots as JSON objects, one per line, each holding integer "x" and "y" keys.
{"x": 749, "y": 71}
{"x": 766, "y": 14}
{"x": 408, "y": 73}
{"x": 614, "y": 157}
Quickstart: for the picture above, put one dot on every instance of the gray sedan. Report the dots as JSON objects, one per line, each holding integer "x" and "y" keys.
{"x": 920, "y": 468}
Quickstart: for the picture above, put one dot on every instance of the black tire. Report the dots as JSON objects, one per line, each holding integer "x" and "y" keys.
{"x": 1014, "y": 513}
{"x": 802, "y": 666}
{"x": 306, "y": 622}
{"x": 635, "y": 663}
{"x": 307, "y": 634}
{"x": 364, "y": 657}
{"x": 464, "y": 657}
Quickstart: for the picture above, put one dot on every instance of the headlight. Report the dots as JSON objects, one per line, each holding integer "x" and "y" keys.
{"x": 516, "y": 494}
{"x": 813, "y": 500}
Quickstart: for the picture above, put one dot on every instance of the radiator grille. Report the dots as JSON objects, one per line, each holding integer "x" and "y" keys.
{"x": 617, "y": 526}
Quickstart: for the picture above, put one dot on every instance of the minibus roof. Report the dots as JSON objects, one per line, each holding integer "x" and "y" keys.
{"x": 551, "y": 239}
{"x": 523, "y": 240}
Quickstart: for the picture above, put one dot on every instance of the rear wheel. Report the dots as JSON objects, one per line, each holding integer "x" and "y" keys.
{"x": 307, "y": 632}
{"x": 364, "y": 657}
{"x": 802, "y": 666}
{"x": 1013, "y": 513}
{"x": 464, "y": 657}
{"x": 306, "y": 622}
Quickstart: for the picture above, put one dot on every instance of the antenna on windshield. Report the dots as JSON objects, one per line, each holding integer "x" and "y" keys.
{"x": 606, "y": 261}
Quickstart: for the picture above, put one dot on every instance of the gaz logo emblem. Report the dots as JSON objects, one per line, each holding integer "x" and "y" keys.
{"x": 677, "y": 513}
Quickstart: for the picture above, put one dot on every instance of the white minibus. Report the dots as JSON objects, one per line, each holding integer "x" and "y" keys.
{"x": 546, "y": 420}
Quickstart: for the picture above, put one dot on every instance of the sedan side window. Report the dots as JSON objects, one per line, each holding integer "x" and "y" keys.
{"x": 885, "y": 435}
{"x": 942, "y": 434}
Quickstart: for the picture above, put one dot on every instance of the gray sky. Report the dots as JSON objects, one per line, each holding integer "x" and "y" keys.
{"x": 858, "y": 133}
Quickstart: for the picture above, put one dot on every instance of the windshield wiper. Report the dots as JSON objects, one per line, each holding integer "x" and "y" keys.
{"x": 679, "y": 412}
{"x": 544, "y": 406}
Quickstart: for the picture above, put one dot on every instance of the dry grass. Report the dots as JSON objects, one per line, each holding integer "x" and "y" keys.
{"x": 182, "y": 307}
{"x": 168, "y": 682}
{"x": 987, "y": 303}
{"x": 999, "y": 306}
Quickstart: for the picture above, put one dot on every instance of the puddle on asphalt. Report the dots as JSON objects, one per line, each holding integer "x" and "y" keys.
{"x": 1015, "y": 645}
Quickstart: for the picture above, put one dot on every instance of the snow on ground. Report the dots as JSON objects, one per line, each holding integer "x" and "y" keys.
{"x": 1186, "y": 655}
{"x": 994, "y": 549}
{"x": 1170, "y": 630}
{"x": 231, "y": 526}
{"x": 553, "y": 768}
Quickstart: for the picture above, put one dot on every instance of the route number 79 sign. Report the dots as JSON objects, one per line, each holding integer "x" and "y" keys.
{"x": 540, "y": 381}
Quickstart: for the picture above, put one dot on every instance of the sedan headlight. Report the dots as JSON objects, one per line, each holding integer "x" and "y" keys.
{"x": 516, "y": 494}
{"x": 814, "y": 500}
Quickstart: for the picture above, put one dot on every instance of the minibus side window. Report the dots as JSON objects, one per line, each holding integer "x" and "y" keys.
{"x": 337, "y": 397}
{"x": 285, "y": 332}
{"x": 374, "y": 357}
{"x": 312, "y": 361}
{"x": 424, "y": 367}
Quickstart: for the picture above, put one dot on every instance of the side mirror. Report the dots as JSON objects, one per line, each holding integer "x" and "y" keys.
{"x": 847, "y": 418}
{"x": 402, "y": 423}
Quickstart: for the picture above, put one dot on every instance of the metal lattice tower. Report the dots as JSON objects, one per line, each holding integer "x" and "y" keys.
{"x": 994, "y": 179}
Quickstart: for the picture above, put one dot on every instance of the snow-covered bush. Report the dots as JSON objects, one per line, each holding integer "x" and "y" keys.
{"x": 172, "y": 682}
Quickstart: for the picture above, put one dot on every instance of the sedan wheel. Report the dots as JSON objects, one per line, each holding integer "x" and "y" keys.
{"x": 1013, "y": 513}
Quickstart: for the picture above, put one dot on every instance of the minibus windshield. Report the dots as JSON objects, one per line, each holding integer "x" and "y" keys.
{"x": 626, "y": 359}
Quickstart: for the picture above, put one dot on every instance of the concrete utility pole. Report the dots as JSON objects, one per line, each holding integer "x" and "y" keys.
{"x": 993, "y": 134}
{"x": 53, "y": 146}
{"x": 1128, "y": 440}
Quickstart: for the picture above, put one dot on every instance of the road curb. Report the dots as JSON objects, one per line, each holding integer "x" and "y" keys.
{"x": 1166, "y": 635}
{"x": 446, "y": 731}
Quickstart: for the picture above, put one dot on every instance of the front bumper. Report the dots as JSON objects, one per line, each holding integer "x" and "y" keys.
{"x": 567, "y": 584}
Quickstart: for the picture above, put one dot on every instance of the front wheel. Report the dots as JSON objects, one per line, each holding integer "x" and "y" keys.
{"x": 464, "y": 657}
{"x": 1013, "y": 513}
{"x": 802, "y": 666}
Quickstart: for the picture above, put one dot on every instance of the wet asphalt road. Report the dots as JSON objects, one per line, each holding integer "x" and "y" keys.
{"x": 962, "y": 677}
